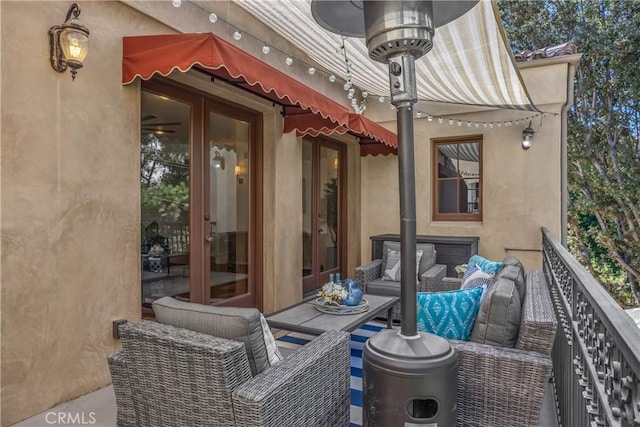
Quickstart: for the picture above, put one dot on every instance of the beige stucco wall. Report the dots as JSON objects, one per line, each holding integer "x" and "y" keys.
{"x": 521, "y": 189}
{"x": 70, "y": 215}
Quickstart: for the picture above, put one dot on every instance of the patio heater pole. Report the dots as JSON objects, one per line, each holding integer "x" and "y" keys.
{"x": 407, "y": 190}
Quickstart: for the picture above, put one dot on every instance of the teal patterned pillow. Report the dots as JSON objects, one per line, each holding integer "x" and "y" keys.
{"x": 485, "y": 265}
{"x": 449, "y": 314}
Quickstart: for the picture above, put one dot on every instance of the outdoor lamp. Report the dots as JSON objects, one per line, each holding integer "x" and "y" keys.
{"x": 527, "y": 137}
{"x": 69, "y": 43}
{"x": 217, "y": 161}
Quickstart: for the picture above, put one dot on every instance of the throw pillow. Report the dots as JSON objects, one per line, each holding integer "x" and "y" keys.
{"x": 485, "y": 265}
{"x": 449, "y": 314}
{"x": 478, "y": 278}
{"x": 498, "y": 321}
{"x": 427, "y": 260}
{"x": 270, "y": 342}
{"x": 392, "y": 270}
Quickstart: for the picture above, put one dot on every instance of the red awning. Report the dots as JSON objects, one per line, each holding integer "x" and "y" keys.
{"x": 144, "y": 56}
{"x": 375, "y": 139}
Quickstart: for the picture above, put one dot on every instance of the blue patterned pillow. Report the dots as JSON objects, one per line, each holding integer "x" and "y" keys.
{"x": 485, "y": 265}
{"x": 449, "y": 314}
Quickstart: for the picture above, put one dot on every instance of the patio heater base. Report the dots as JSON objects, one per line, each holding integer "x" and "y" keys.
{"x": 409, "y": 382}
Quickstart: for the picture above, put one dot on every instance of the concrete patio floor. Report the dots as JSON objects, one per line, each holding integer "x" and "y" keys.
{"x": 101, "y": 407}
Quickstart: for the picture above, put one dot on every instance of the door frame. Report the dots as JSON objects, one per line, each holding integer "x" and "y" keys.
{"x": 199, "y": 287}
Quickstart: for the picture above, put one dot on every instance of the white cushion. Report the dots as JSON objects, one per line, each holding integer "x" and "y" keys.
{"x": 270, "y": 343}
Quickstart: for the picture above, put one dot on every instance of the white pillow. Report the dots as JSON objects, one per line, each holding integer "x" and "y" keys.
{"x": 478, "y": 274}
{"x": 394, "y": 272}
{"x": 270, "y": 343}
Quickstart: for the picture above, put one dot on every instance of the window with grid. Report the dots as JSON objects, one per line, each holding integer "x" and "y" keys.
{"x": 457, "y": 176}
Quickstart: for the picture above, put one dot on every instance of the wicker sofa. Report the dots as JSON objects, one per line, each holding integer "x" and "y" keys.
{"x": 172, "y": 376}
{"x": 505, "y": 386}
{"x": 371, "y": 281}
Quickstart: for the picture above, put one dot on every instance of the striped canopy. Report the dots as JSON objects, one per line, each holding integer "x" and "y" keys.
{"x": 470, "y": 62}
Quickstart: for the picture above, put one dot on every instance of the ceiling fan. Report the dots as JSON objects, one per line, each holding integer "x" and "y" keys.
{"x": 158, "y": 128}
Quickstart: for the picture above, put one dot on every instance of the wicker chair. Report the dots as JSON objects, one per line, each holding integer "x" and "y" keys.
{"x": 370, "y": 276}
{"x": 168, "y": 376}
{"x": 505, "y": 386}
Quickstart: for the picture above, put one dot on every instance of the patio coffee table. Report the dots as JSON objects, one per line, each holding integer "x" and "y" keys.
{"x": 306, "y": 318}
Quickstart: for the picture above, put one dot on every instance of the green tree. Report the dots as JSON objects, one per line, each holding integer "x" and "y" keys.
{"x": 603, "y": 129}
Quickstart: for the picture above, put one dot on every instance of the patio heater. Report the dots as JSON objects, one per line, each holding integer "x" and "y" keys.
{"x": 408, "y": 375}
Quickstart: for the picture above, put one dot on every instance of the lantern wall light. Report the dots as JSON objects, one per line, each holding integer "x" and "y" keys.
{"x": 69, "y": 43}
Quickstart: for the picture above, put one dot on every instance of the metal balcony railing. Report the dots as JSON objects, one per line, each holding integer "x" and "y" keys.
{"x": 596, "y": 354}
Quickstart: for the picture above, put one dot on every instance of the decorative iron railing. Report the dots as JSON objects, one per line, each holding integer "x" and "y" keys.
{"x": 596, "y": 354}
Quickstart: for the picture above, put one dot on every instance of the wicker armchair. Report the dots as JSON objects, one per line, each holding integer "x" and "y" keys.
{"x": 370, "y": 278}
{"x": 168, "y": 376}
{"x": 505, "y": 386}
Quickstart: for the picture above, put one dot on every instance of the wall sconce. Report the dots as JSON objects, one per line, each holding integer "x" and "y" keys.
{"x": 217, "y": 161}
{"x": 239, "y": 174}
{"x": 69, "y": 43}
{"x": 527, "y": 137}
{"x": 335, "y": 163}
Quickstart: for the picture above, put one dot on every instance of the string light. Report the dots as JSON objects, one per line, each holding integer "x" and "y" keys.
{"x": 266, "y": 49}
{"x": 288, "y": 60}
{"x": 381, "y": 99}
{"x": 237, "y": 35}
{"x": 332, "y": 78}
{"x": 176, "y": 3}
{"x": 312, "y": 70}
{"x": 213, "y": 18}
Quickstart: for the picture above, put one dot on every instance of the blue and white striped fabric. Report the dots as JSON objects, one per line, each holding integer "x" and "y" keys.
{"x": 358, "y": 338}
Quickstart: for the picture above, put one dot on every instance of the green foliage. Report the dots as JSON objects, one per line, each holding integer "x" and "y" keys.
{"x": 603, "y": 139}
{"x": 164, "y": 181}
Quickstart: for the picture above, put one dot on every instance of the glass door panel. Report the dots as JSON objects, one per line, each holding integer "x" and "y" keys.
{"x": 228, "y": 190}
{"x": 321, "y": 212}
{"x": 164, "y": 193}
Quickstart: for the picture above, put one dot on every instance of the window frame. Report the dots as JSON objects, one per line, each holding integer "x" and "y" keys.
{"x": 435, "y": 179}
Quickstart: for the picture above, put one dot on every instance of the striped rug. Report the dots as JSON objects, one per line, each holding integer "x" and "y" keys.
{"x": 293, "y": 340}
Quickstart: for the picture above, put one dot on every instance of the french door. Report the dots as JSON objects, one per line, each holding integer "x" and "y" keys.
{"x": 322, "y": 211}
{"x": 199, "y": 231}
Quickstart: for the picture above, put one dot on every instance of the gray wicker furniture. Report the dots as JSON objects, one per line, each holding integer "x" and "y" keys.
{"x": 169, "y": 376}
{"x": 504, "y": 386}
{"x": 370, "y": 275}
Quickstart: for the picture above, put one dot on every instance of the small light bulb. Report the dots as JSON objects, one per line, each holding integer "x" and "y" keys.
{"x": 440, "y": 120}
{"x": 347, "y": 85}
{"x": 499, "y": 124}
{"x": 332, "y": 78}
{"x": 491, "y": 125}
{"x": 350, "y": 95}
{"x": 288, "y": 60}
{"x": 381, "y": 98}
{"x": 517, "y": 122}
{"x": 237, "y": 35}
{"x": 477, "y": 124}
{"x": 213, "y": 18}
{"x": 468, "y": 124}
{"x": 485, "y": 125}
{"x": 266, "y": 49}
{"x": 459, "y": 122}
{"x": 312, "y": 70}
{"x": 419, "y": 114}
{"x": 176, "y": 3}
{"x": 354, "y": 101}
{"x": 430, "y": 117}
{"x": 365, "y": 94}
{"x": 392, "y": 107}
{"x": 352, "y": 91}
{"x": 450, "y": 122}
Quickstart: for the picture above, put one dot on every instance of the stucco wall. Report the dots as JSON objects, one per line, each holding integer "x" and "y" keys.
{"x": 521, "y": 189}
{"x": 70, "y": 214}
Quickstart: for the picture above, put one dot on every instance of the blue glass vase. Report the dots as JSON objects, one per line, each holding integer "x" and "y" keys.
{"x": 354, "y": 294}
